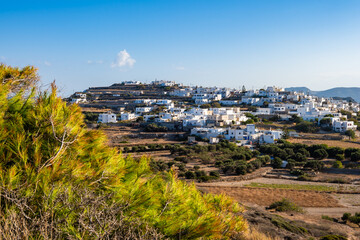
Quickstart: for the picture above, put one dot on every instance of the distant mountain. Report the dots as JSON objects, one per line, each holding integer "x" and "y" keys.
{"x": 299, "y": 89}
{"x": 340, "y": 92}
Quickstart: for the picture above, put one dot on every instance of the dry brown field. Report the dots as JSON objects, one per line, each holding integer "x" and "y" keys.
{"x": 121, "y": 136}
{"x": 95, "y": 110}
{"x": 330, "y": 143}
{"x": 158, "y": 155}
{"x": 265, "y": 196}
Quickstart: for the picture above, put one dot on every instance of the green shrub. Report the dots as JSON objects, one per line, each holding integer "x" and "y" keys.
{"x": 181, "y": 166}
{"x": 333, "y": 237}
{"x": 214, "y": 174}
{"x": 241, "y": 170}
{"x": 355, "y": 156}
{"x": 285, "y": 205}
{"x": 320, "y": 154}
{"x": 327, "y": 218}
{"x": 355, "y": 219}
{"x": 346, "y": 216}
{"x": 315, "y": 165}
{"x": 300, "y": 157}
{"x": 349, "y": 151}
{"x": 276, "y": 162}
{"x": 283, "y": 224}
{"x": 190, "y": 175}
{"x": 340, "y": 157}
{"x": 337, "y": 164}
{"x": 350, "y": 133}
{"x": 304, "y": 177}
{"x": 297, "y": 172}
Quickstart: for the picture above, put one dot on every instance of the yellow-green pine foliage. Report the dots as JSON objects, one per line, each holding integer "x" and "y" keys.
{"x": 51, "y": 165}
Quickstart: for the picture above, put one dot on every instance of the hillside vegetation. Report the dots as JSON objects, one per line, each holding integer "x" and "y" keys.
{"x": 59, "y": 180}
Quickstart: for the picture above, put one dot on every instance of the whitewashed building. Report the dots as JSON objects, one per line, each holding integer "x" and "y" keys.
{"x": 107, "y": 118}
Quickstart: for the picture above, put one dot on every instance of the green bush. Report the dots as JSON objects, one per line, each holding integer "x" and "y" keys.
{"x": 320, "y": 154}
{"x": 333, "y": 237}
{"x": 327, "y": 218}
{"x": 276, "y": 162}
{"x": 338, "y": 164}
{"x": 346, "y": 216}
{"x": 214, "y": 174}
{"x": 283, "y": 224}
{"x": 350, "y": 133}
{"x": 314, "y": 165}
{"x": 304, "y": 177}
{"x": 340, "y": 157}
{"x": 300, "y": 157}
{"x": 297, "y": 172}
{"x": 355, "y": 219}
{"x": 190, "y": 175}
{"x": 241, "y": 170}
{"x": 349, "y": 151}
{"x": 285, "y": 205}
{"x": 334, "y": 151}
{"x": 355, "y": 156}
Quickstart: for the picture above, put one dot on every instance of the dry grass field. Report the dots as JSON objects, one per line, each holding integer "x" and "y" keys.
{"x": 266, "y": 196}
{"x": 164, "y": 155}
{"x": 330, "y": 143}
{"x": 95, "y": 110}
{"x": 121, "y": 136}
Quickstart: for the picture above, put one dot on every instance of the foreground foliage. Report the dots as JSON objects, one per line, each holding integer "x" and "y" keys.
{"x": 60, "y": 180}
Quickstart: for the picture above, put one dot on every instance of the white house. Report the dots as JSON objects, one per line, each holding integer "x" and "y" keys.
{"x": 229, "y": 102}
{"x": 263, "y": 111}
{"x": 107, "y": 118}
{"x": 128, "y": 116}
{"x": 144, "y": 101}
{"x": 142, "y": 110}
{"x": 163, "y": 83}
{"x": 79, "y": 98}
{"x": 164, "y": 102}
{"x": 131, "y": 82}
{"x": 208, "y": 132}
{"x": 181, "y": 93}
{"x": 343, "y": 126}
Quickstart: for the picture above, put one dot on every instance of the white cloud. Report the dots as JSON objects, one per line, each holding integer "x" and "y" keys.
{"x": 123, "y": 59}
{"x": 95, "y": 62}
{"x": 2, "y": 58}
{"x": 47, "y": 63}
{"x": 180, "y": 68}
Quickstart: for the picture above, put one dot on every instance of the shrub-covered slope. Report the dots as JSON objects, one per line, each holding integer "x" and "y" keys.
{"x": 60, "y": 180}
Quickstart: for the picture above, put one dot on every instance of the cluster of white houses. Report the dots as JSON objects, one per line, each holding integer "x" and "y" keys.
{"x": 209, "y": 122}
{"x": 245, "y": 136}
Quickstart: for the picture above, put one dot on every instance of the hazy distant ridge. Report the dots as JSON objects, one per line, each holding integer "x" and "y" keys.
{"x": 343, "y": 92}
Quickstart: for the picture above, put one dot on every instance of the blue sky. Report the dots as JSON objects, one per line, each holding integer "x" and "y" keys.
{"x": 313, "y": 43}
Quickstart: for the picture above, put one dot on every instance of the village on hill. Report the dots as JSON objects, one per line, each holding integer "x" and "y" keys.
{"x": 213, "y": 113}
{"x": 258, "y": 146}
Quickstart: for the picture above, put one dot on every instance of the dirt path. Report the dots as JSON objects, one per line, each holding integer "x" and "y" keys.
{"x": 331, "y": 212}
